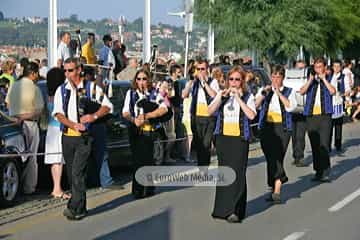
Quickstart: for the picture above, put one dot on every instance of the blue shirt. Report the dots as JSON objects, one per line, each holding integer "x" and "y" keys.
{"x": 52, "y": 121}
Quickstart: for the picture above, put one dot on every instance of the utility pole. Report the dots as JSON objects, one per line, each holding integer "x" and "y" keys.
{"x": 211, "y": 40}
{"x": 147, "y": 32}
{"x": 188, "y": 27}
{"x": 52, "y": 33}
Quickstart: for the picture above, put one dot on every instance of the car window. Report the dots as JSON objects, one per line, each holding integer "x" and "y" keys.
{"x": 118, "y": 98}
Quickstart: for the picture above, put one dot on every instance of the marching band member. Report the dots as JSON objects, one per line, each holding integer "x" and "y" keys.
{"x": 275, "y": 124}
{"x": 77, "y": 107}
{"x": 142, "y": 130}
{"x": 318, "y": 109}
{"x": 202, "y": 89}
{"x": 338, "y": 105}
{"x": 235, "y": 108}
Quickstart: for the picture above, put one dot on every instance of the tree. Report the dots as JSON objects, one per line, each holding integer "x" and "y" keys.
{"x": 74, "y": 18}
{"x": 1, "y": 16}
{"x": 281, "y": 26}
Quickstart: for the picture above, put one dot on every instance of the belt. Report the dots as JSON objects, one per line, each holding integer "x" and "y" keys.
{"x": 30, "y": 120}
{"x": 147, "y": 133}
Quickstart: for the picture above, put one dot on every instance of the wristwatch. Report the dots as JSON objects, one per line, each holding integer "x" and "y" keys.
{"x": 95, "y": 116}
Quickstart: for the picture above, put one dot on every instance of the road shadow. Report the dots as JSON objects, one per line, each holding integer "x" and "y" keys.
{"x": 155, "y": 227}
{"x": 256, "y": 160}
{"x": 294, "y": 190}
{"x": 127, "y": 199}
{"x": 111, "y": 205}
{"x": 5, "y": 236}
{"x": 351, "y": 142}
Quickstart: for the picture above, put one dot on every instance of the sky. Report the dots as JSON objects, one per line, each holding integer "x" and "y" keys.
{"x": 95, "y": 9}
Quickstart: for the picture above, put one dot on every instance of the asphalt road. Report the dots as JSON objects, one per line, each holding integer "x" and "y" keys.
{"x": 328, "y": 211}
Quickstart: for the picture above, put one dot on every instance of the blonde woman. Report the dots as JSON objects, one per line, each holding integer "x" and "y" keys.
{"x": 235, "y": 108}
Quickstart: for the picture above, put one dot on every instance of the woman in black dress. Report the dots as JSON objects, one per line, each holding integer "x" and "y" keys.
{"x": 235, "y": 107}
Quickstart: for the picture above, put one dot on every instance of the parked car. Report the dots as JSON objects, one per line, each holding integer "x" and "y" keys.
{"x": 12, "y": 141}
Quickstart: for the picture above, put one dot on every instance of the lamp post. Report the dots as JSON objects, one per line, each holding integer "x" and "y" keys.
{"x": 52, "y": 33}
{"x": 147, "y": 32}
{"x": 211, "y": 40}
{"x": 188, "y": 26}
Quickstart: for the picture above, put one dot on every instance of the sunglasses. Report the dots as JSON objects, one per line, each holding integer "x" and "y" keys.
{"x": 139, "y": 79}
{"x": 201, "y": 69}
{"x": 236, "y": 79}
{"x": 69, "y": 70}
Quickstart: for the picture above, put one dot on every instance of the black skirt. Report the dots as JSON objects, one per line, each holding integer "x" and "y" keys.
{"x": 232, "y": 152}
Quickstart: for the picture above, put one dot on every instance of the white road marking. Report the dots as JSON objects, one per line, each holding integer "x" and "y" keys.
{"x": 295, "y": 236}
{"x": 345, "y": 201}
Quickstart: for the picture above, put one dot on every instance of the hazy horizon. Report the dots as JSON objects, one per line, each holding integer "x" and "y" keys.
{"x": 95, "y": 10}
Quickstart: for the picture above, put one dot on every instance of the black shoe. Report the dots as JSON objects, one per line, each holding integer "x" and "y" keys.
{"x": 300, "y": 163}
{"x": 233, "y": 218}
{"x": 325, "y": 177}
{"x": 73, "y": 216}
{"x": 276, "y": 198}
{"x": 295, "y": 162}
{"x": 317, "y": 177}
{"x": 340, "y": 150}
{"x": 114, "y": 186}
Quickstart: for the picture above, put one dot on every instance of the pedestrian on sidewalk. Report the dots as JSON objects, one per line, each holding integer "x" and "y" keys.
{"x": 55, "y": 77}
{"x": 25, "y": 103}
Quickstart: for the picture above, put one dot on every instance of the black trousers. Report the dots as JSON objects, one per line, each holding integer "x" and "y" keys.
{"x": 179, "y": 146}
{"x": 143, "y": 146}
{"x": 337, "y": 127}
{"x": 298, "y": 136}
{"x": 203, "y": 129}
{"x": 76, "y": 152}
{"x": 319, "y": 128}
{"x": 232, "y": 199}
{"x": 274, "y": 141}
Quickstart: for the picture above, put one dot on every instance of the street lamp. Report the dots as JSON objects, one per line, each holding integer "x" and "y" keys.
{"x": 188, "y": 26}
{"x": 52, "y": 33}
{"x": 211, "y": 40}
{"x": 147, "y": 32}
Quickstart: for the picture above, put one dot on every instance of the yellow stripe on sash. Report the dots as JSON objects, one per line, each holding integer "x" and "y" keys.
{"x": 231, "y": 129}
{"x": 72, "y": 133}
{"x": 274, "y": 117}
{"x": 202, "y": 110}
{"x": 317, "y": 110}
{"x": 147, "y": 127}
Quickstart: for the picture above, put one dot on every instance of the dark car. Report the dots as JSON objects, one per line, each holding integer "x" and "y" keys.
{"x": 12, "y": 142}
{"x": 118, "y": 148}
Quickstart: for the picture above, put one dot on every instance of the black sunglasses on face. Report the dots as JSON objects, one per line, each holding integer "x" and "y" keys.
{"x": 236, "y": 79}
{"x": 69, "y": 70}
{"x": 144, "y": 79}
